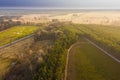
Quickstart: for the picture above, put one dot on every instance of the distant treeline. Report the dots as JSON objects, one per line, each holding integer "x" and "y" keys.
{"x": 8, "y": 21}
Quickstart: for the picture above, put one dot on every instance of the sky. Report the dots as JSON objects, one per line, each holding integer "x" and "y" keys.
{"x": 104, "y": 4}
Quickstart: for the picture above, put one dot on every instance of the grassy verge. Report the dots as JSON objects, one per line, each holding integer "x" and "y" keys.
{"x": 15, "y": 33}
{"x": 86, "y": 62}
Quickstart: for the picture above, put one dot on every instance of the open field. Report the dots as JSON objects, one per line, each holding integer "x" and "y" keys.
{"x": 86, "y": 62}
{"x": 15, "y": 33}
{"x": 105, "y": 36}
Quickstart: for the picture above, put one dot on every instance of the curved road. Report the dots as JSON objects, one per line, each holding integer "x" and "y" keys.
{"x": 67, "y": 59}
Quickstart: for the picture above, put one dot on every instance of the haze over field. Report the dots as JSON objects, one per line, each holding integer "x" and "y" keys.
{"x": 80, "y": 17}
{"x": 94, "y": 17}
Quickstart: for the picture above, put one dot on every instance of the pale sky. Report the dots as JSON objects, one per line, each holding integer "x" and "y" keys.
{"x": 111, "y": 4}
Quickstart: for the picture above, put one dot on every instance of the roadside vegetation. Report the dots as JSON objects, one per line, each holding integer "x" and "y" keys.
{"x": 95, "y": 70}
{"x": 107, "y": 37}
{"x": 48, "y": 65}
{"x": 53, "y": 66}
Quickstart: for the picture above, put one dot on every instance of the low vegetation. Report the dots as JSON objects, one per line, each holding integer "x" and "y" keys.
{"x": 15, "y": 33}
{"x": 106, "y": 37}
{"x": 52, "y": 60}
{"x": 86, "y": 62}
{"x": 52, "y": 68}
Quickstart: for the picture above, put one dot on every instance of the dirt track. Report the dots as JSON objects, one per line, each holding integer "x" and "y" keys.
{"x": 67, "y": 58}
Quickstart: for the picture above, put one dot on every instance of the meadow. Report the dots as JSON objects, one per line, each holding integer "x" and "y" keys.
{"x": 106, "y": 37}
{"x": 14, "y": 33}
{"x": 86, "y": 62}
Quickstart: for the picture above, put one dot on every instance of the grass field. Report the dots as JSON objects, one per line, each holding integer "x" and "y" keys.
{"x": 105, "y": 36}
{"x": 15, "y": 33}
{"x": 86, "y": 62}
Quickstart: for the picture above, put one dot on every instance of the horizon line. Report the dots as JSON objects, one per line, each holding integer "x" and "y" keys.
{"x": 59, "y": 8}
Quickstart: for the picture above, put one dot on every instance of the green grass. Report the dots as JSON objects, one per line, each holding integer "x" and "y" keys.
{"x": 15, "y": 33}
{"x": 89, "y": 63}
{"x": 107, "y": 36}
{"x": 74, "y": 28}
